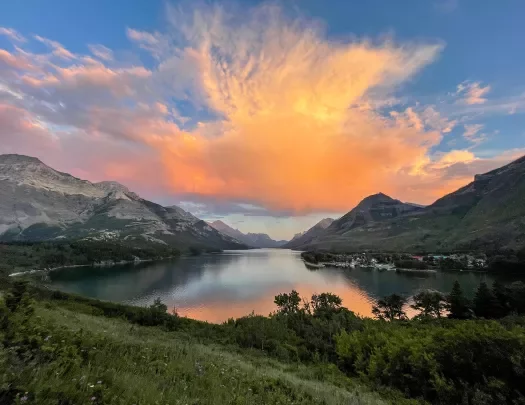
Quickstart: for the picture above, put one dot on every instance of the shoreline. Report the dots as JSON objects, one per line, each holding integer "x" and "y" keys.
{"x": 427, "y": 271}
{"x": 96, "y": 264}
{"x": 314, "y": 265}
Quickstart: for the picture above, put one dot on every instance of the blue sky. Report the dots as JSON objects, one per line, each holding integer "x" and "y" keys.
{"x": 269, "y": 116}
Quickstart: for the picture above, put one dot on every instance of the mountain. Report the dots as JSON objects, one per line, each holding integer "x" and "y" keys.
{"x": 488, "y": 213}
{"x": 259, "y": 240}
{"x": 40, "y": 203}
{"x": 304, "y": 238}
{"x": 375, "y": 208}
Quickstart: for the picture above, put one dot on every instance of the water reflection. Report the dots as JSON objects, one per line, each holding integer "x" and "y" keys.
{"x": 235, "y": 283}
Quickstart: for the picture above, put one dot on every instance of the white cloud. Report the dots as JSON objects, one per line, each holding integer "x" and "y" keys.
{"x": 101, "y": 52}
{"x": 472, "y": 133}
{"x": 472, "y": 92}
{"x": 56, "y": 47}
{"x": 12, "y": 34}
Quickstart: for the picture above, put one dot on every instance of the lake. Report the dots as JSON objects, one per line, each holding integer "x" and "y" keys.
{"x": 216, "y": 287}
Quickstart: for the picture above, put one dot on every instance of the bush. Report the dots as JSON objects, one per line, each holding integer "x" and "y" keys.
{"x": 445, "y": 365}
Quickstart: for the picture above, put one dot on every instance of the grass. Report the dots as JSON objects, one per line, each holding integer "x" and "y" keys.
{"x": 121, "y": 363}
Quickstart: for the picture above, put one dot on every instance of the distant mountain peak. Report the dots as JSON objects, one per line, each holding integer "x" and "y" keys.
{"x": 310, "y": 234}
{"x": 325, "y": 223}
{"x": 260, "y": 240}
{"x": 218, "y": 222}
{"x": 375, "y": 198}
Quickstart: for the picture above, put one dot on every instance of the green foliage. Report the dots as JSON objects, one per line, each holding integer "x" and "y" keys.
{"x": 429, "y": 303}
{"x": 449, "y": 263}
{"x": 509, "y": 263}
{"x": 18, "y": 256}
{"x": 288, "y": 303}
{"x": 390, "y": 308}
{"x": 411, "y": 264}
{"x": 484, "y": 302}
{"x": 62, "y": 357}
{"x": 325, "y": 304}
{"x": 443, "y": 361}
{"x": 516, "y": 292}
{"x": 457, "y": 305}
{"x": 459, "y": 363}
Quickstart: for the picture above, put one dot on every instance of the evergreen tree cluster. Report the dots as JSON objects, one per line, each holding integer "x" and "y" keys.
{"x": 488, "y": 303}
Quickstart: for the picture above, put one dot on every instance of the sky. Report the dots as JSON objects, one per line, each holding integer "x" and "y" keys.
{"x": 267, "y": 115}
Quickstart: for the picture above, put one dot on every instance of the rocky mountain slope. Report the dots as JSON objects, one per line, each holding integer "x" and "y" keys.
{"x": 259, "y": 240}
{"x": 40, "y": 203}
{"x": 306, "y": 237}
{"x": 488, "y": 213}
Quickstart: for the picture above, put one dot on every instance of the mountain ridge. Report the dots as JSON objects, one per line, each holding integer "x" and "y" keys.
{"x": 488, "y": 213}
{"x": 38, "y": 202}
{"x": 258, "y": 240}
{"x": 310, "y": 234}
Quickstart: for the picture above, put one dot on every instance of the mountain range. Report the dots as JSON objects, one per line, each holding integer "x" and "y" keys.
{"x": 40, "y": 203}
{"x": 488, "y": 213}
{"x": 306, "y": 237}
{"x": 259, "y": 240}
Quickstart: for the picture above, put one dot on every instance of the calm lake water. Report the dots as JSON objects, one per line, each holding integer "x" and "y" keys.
{"x": 235, "y": 283}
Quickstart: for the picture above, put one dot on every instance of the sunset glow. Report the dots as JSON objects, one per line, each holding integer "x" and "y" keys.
{"x": 257, "y": 105}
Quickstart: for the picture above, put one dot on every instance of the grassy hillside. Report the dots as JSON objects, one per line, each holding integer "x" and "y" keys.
{"x": 62, "y": 349}
{"x": 66, "y": 352}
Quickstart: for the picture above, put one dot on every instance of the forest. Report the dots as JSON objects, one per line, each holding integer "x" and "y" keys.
{"x": 21, "y": 256}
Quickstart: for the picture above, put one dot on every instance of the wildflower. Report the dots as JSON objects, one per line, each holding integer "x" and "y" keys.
{"x": 47, "y": 338}
{"x": 24, "y": 398}
{"x": 91, "y": 385}
{"x": 93, "y": 398}
{"x": 99, "y": 382}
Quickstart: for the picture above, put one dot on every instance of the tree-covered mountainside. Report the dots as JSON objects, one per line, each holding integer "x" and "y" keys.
{"x": 39, "y": 203}
{"x": 487, "y": 214}
{"x": 23, "y": 256}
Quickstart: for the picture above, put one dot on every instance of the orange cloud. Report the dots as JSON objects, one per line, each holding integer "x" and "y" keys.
{"x": 294, "y": 135}
{"x": 295, "y": 121}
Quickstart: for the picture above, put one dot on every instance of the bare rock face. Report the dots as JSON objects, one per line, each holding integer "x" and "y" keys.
{"x": 40, "y": 203}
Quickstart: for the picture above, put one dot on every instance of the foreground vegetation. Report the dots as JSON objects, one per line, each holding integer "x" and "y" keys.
{"x": 64, "y": 349}
{"x": 61, "y": 349}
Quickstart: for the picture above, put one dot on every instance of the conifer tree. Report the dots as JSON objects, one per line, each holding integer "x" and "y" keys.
{"x": 457, "y": 303}
{"x": 483, "y": 301}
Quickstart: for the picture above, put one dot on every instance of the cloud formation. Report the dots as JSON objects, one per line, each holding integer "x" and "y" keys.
{"x": 473, "y": 93}
{"x": 254, "y": 107}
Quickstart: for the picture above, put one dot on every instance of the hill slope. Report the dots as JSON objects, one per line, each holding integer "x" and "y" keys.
{"x": 488, "y": 213}
{"x": 259, "y": 240}
{"x": 302, "y": 239}
{"x": 40, "y": 203}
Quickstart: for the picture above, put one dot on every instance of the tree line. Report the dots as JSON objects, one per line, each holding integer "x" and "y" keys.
{"x": 488, "y": 303}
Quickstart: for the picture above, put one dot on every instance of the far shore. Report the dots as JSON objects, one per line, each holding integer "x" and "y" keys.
{"x": 97, "y": 264}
